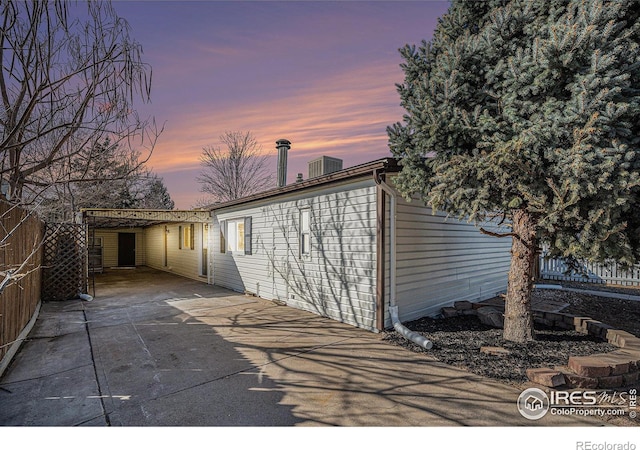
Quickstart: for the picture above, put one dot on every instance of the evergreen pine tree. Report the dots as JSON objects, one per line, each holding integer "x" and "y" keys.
{"x": 155, "y": 195}
{"x": 530, "y": 112}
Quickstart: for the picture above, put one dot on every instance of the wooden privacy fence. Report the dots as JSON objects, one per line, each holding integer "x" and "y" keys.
{"x": 21, "y": 237}
{"x": 556, "y": 269}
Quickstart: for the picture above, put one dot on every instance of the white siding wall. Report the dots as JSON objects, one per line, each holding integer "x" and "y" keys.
{"x": 336, "y": 280}
{"x": 154, "y": 248}
{"x": 439, "y": 261}
{"x": 182, "y": 261}
{"x": 240, "y": 272}
{"x": 110, "y": 245}
{"x": 442, "y": 260}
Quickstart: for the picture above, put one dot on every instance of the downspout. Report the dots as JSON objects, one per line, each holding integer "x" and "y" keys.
{"x": 393, "y": 307}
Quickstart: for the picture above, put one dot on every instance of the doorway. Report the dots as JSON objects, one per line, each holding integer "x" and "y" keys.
{"x": 126, "y": 249}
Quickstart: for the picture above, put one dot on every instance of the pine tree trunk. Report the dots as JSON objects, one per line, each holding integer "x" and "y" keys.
{"x": 518, "y": 320}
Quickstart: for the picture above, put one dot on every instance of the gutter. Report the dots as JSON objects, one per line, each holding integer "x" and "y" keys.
{"x": 393, "y": 306}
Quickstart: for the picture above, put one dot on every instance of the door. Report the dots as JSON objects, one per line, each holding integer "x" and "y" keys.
{"x": 126, "y": 249}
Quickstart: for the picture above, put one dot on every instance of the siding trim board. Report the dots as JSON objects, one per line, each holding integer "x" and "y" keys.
{"x": 381, "y": 201}
{"x": 363, "y": 170}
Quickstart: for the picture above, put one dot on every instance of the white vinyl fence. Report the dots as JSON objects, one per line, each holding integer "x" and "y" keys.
{"x": 556, "y": 269}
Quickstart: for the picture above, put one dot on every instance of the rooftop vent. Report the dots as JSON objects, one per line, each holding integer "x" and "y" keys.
{"x": 283, "y": 147}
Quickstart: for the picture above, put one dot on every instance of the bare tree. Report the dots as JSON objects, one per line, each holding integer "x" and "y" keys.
{"x": 238, "y": 170}
{"x": 111, "y": 177}
{"x": 69, "y": 79}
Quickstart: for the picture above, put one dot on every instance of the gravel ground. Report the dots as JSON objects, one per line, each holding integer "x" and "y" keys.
{"x": 457, "y": 341}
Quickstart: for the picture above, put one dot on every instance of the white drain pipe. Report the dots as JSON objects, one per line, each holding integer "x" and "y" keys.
{"x": 414, "y": 337}
{"x": 393, "y": 307}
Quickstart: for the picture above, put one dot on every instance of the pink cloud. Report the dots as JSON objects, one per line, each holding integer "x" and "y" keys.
{"x": 348, "y": 110}
{"x": 321, "y": 74}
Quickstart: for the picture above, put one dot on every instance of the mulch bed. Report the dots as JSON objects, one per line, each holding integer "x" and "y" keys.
{"x": 457, "y": 341}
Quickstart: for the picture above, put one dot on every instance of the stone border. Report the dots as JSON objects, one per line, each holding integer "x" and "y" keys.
{"x": 602, "y": 370}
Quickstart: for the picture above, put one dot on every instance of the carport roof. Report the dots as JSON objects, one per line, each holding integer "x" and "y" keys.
{"x": 123, "y": 218}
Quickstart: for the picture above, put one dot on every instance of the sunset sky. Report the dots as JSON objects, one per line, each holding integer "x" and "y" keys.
{"x": 319, "y": 73}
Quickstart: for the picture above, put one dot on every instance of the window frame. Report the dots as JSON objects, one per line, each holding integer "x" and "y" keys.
{"x": 305, "y": 232}
{"x": 233, "y": 241}
{"x": 186, "y": 237}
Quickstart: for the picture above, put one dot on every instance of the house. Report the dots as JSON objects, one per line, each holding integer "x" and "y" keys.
{"x": 342, "y": 244}
{"x": 346, "y": 245}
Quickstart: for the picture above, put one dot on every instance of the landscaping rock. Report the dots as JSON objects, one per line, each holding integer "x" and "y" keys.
{"x": 449, "y": 312}
{"x": 546, "y": 376}
{"x": 491, "y": 316}
{"x": 588, "y": 366}
{"x": 610, "y": 382}
{"x": 496, "y": 351}
{"x": 576, "y": 381}
{"x": 578, "y": 322}
{"x": 462, "y": 305}
{"x": 630, "y": 378}
{"x": 564, "y": 326}
{"x": 618, "y": 364}
{"x": 599, "y": 329}
{"x": 457, "y": 341}
{"x": 543, "y": 321}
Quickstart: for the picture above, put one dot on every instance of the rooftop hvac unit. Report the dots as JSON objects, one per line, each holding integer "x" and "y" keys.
{"x": 323, "y": 166}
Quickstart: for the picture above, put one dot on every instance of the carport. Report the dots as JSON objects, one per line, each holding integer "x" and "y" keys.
{"x": 174, "y": 241}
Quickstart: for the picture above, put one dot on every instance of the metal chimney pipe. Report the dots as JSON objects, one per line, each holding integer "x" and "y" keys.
{"x": 283, "y": 147}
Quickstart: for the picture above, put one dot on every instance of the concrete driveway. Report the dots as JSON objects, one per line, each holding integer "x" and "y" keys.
{"x": 154, "y": 349}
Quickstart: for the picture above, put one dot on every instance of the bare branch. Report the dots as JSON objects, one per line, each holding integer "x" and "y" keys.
{"x": 65, "y": 85}
{"x": 498, "y": 235}
{"x": 238, "y": 170}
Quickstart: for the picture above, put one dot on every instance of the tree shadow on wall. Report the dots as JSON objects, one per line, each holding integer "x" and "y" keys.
{"x": 336, "y": 278}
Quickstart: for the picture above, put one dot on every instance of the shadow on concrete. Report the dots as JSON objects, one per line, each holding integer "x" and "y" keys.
{"x": 160, "y": 350}
{"x": 130, "y": 358}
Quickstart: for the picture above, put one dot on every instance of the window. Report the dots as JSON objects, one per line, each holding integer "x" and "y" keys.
{"x": 305, "y": 232}
{"x": 186, "y": 237}
{"x": 237, "y": 238}
{"x": 95, "y": 242}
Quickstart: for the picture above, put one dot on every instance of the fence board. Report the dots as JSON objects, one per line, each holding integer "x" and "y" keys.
{"x": 21, "y": 236}
{"x": 556, "y": 269}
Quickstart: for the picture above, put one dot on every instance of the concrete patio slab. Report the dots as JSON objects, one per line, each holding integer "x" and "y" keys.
{"x": 154, "y": 349}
